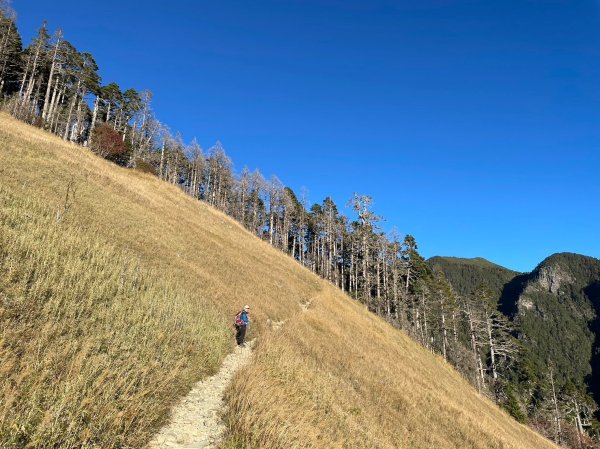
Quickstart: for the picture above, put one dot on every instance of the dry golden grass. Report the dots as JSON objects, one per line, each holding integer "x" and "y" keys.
{"x": 94, "y": 346}
{"x": 339, "y": 377}
{"x": 111, "y": 312}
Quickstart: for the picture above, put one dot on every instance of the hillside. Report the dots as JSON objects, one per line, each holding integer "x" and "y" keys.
{"x": 467, "y": 275}
{"x": 554, "y": 313}
{"x": 555, "y": 308}
{"x": 117, "y": 293}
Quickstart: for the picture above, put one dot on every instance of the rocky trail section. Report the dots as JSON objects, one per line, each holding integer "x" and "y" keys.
{"x": 196, "y": 421}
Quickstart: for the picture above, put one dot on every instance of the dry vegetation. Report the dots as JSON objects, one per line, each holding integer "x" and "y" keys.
{"x": 93, "y": 346}
{"x": 117, "y": 292}
{"x": 338, "y": 377}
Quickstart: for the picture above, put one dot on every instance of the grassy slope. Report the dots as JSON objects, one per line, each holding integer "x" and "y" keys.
{"x": 112, "y": 312}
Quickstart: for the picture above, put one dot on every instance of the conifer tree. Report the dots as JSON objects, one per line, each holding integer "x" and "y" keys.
{"x": 55, "y": 61}
{"x": 218, "y": 177}
{"x": 35, "y": 55}
{"x": 275, "y": 196}
{"x": 196, "y": 160}
{"x": 10, "y": 49}
{"x": 367, "y": 220}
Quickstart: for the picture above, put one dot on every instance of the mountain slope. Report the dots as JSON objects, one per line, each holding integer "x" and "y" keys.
{"x": 467, "y": 275}
{"x": 117, "y": 293}
{"x": 556, "y": 310}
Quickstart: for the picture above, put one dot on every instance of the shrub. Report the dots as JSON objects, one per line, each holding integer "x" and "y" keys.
{"x": 145, "y": 167}
{"x": 108, "y": 143}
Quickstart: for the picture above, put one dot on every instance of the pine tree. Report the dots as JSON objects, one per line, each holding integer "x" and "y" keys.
{"x": 10, "y": 49}
{"x": 34, "y": 54}
{"x": 367, "y": 221}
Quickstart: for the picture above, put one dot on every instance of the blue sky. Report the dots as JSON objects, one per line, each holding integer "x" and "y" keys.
{"x": 474, "y": 125}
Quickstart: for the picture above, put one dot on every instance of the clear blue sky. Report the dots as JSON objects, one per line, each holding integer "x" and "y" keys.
{"x": 474, "y": 125}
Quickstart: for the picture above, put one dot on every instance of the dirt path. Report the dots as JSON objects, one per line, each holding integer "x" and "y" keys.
{"x": 195, "y": 422}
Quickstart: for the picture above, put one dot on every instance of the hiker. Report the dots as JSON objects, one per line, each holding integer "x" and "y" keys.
{"x": 241, "y": 323}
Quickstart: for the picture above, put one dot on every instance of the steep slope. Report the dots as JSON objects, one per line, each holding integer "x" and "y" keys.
{"x": 556, "y": 310}
{"x": 116, "y": 295}
{"x": 467, "y": 275}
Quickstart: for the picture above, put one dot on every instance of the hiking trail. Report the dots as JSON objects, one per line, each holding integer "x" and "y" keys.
{"x": 195, "y": 422}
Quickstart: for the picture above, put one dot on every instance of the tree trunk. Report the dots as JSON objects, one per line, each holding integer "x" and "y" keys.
{"x": 31, "y": 82}
{"x": 36, "y": 98}
{"x": 76, "y": 130}
{"x": 242, "y": 211}
{"x": 395, "y": 295}
{"x": 24, "y": 80}
{"x": 578, "y": 425}
{"x": 365, "y": 267}
{"x": 477, "y": 361}
{"x": 271, "y": 222}
{"x": 56, "y": 112}
{"x": 492, "y": 348}
{"x": 427, "y": 342}
{"x": 70, "y": 115}
{"x": 352, "y": 268}
{"x": 51, "y": 109}
{"x": 2, "y": 57}
{"x": 444, "y": 332}
{"x": 343, "y": 263}
{"x": 454, "y": 329}
{"x": 94, "y": 116}
{"x": 162, "y": 159}
{"x": 378, "y": 274}
{"x": 558, "y": 430}
{"x": 49, "y": 86}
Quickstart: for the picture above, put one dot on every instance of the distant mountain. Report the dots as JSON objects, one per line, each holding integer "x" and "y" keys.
{"x": 555, "y": 309}
{"x": 467, "y": 275}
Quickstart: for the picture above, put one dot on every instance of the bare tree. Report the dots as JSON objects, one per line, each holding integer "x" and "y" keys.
{"x": 275, "y": 188}
{"x": 196, "y": 159}
{"x": 35, "y": 54}
{"x": 361, "y": 204}
{"x": 145, "y": 130}
{"x": 55, "y": 61}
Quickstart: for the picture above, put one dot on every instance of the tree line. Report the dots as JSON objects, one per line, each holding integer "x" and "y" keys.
{"x": 54, "y": 86}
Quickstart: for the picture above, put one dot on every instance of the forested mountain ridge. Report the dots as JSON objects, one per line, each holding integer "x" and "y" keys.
{"x": 553, "y": 311}
{"x": 467, "y": 275}
{"x": 561, "y": 274}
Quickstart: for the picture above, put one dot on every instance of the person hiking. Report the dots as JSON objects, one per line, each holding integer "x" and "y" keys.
{"x": 241, "y": 323}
